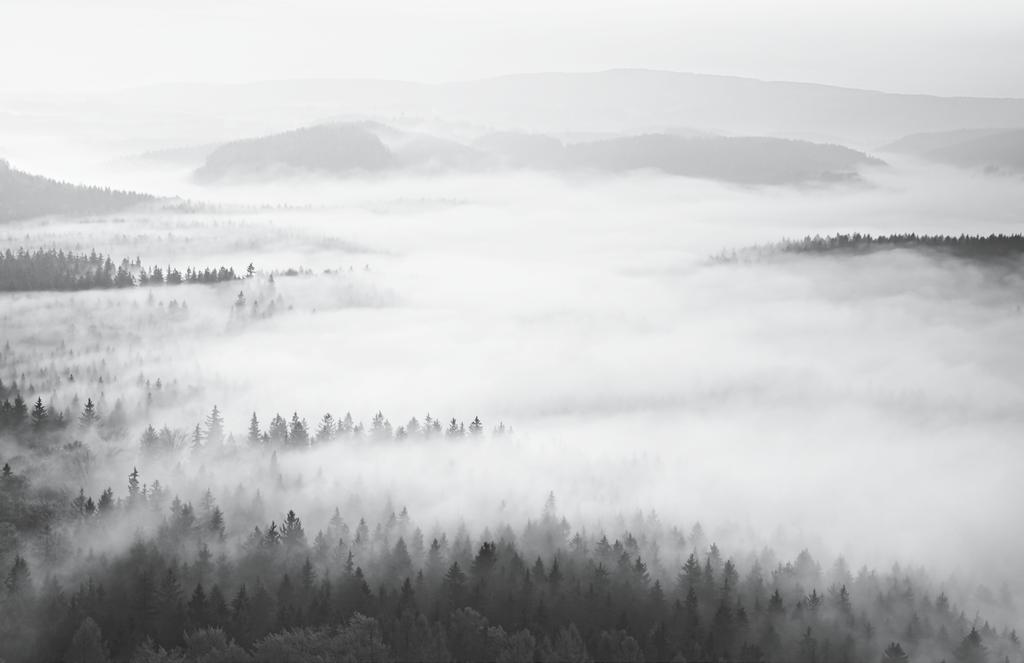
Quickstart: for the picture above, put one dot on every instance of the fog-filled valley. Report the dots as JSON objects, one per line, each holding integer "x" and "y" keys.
{"x": 339, "y": 382}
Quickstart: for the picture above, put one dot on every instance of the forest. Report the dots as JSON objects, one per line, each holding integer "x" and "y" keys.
{"x": 996, "y": 251}
{"x": 980, "y": 247}
{"x": 182, "y": 559}
{"x": 56, "y": 269}
{"x": 219, "y": 573}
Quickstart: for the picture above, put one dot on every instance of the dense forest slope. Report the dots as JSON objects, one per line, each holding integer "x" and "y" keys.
{"x": 1002, "y": 251}
{"x": 210, "y": 575}
{"x": 344, "y": 148}
{"x": 23, "y": 196}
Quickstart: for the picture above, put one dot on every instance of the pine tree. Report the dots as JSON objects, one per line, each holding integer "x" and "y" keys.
{"x": 971, "y": 649}
{"x": 87, "y": 644}
{"x": 117, "y": 420}
{"x": 88, "y": 418}
{"x": 19, "y": 413}
{"x": 454, "y": 584}
{"x": 345, "y": 426}
{"x": 18, "y": 580}
{"x": 278, "y": 430}
{"x": 292, "y": 534}
{"x": 197, "y": 608}
{"x": 894, "y": 654}
{"x": 215, "y": 427}
{"x": 327, "y": 429}
{"x": 298, "y": 433}
{"x": 254, "y": 431}
{"x": 134, "y": 493}
{"x": 106, "y": 503}
{"x": 150, "y": 441}
{"x": 39, "y": 416}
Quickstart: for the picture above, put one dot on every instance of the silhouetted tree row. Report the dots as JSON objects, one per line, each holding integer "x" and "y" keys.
{"x": 52, "y": 269}
{"x": 967, "y": 246}
{"x": 39, "y": 425}
{"x": 297, "y": 433}
{"x": 200, "y": 588}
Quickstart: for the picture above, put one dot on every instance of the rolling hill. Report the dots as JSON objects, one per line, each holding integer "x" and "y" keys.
{"x": 347, "y": 148}
{"x": 993, "y": 150}
{"x": 24, "y": 196}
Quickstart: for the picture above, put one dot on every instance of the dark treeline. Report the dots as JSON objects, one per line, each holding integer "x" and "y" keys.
{"x": 24, "y": 196}
{"x": 200, "y": 586}
{"x": 41, "y": 426}
{"x": 966, "y": 246}
{"x": 52, "y": 269}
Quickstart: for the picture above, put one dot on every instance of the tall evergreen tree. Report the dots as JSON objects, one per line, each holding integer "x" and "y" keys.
{"x": 87, "y": 644}
{"x": 215, "y": 427}
{"x": 40, "y": 416}
{"x": 254, "y": 431}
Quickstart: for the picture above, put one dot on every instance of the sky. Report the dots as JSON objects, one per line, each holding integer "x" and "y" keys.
{"x": 919, "y": 46}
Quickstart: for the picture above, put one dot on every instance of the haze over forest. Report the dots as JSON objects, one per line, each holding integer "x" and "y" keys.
{"x": 599, "y": 364}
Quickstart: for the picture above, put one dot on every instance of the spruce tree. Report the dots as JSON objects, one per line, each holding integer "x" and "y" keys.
{"x": 87, "y": 644}
{"x": 89, "y": 417}
{"x": 254, "y": 431}
{"x": 39, "y": 415}
{"x": 215, "y": 427}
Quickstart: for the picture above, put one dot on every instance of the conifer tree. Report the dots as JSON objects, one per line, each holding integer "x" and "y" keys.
{"x": 298, "y": 432}
{"x": 39, "y": 416}
{"x": 18, "y": 579}
{"x": 134, "y": 491}
{"x": 327, "y": 429}
{"x": 278, "y": 430}
{"x": 254, "y": 431}
{"x": 87, "y": 644}
{"x": 215, "y": 427}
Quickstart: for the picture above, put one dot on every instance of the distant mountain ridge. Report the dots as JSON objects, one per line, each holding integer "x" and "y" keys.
{"x": 24, "y": 196}
{"x": 619, "y": 101}
{"x": 368, "y": 147}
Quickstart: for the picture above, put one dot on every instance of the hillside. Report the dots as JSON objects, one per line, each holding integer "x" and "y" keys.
{"x": 23, "y": 196}
{"x": 333, "y": 149}
{"x": 342, "y": 149}
{"x": 994, "y": 150}
{"x": 751, "y": 160}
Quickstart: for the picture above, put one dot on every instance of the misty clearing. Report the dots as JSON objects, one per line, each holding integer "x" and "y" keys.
{"x": 619, "y": 366}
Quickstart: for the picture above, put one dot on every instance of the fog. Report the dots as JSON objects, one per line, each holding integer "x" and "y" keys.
{"x": 650, "y": 360}
{"x": 588, "y": 313}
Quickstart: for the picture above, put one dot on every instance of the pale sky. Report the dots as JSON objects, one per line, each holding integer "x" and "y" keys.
{"x": 929, "y": 46}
